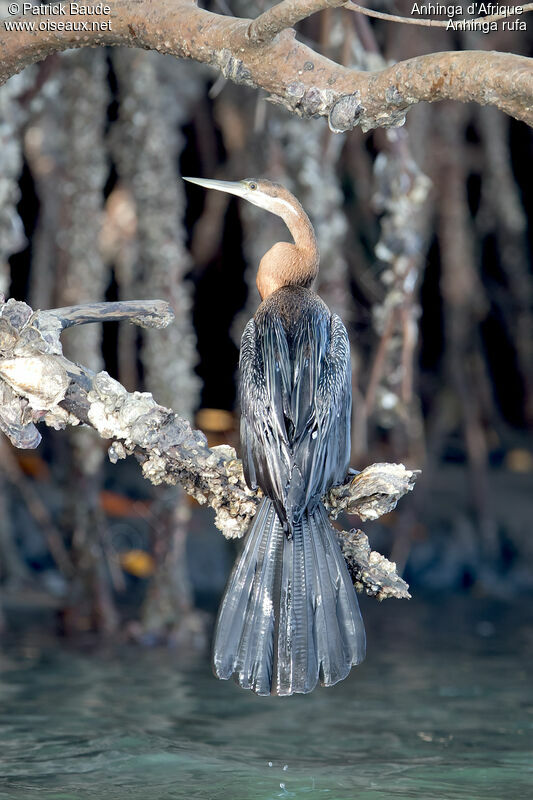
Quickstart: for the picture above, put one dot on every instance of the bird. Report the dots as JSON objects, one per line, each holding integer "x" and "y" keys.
{"x": 289, "y": 617}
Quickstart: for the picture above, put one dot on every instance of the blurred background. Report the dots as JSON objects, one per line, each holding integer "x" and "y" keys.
{"x": 425, "y": 247}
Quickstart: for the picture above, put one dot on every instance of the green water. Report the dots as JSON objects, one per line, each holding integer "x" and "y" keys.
{"x": 442, "y": 708}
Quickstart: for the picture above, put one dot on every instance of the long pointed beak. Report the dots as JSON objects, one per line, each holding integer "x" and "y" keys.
{"x": 237, "y": 188}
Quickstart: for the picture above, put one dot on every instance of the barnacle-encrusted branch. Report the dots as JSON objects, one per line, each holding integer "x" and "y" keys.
{"x": 371, "y": 572}
{"x": 373, "y": 492}
{"x": 293, "y": 74}
{"x": 38, "y": 383}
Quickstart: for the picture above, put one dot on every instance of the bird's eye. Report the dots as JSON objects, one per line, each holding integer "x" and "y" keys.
{"x": 252, "y": 185}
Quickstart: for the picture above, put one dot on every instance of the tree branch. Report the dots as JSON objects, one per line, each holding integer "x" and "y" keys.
{"x": 294, "y": 75}
{"x": 371, "y": 572}
{"x": 285, "y": 15}
{"x": 38, "y": 383}
{"x": 145, "y": 314}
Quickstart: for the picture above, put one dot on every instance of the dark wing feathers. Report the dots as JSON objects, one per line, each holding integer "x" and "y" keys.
{"x": 264, "y": 442}
{"x": 322, "y": 451}
{"x": 296, "y": 406}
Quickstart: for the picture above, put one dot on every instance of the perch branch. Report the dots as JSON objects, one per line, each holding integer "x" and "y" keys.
{"x": 371, "y": 572}
{"x": 373, "y": 492}
{"x": 293, "y": 74}
{"x": 38, "y": 383}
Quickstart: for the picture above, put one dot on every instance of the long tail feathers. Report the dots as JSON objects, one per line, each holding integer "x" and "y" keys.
{"x": 290, "y": 614}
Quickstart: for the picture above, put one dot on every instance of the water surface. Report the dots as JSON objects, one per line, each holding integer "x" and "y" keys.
{"x": 442, "y": 708}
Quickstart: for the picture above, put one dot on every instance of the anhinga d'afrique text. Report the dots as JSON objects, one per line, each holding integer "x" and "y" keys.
{"x": 290, "y": 614}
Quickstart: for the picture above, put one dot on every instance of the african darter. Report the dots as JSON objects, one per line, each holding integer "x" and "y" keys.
{"x": 290, "y": 614}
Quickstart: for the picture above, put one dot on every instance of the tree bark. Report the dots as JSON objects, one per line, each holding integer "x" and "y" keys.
{"x": 293, "y": 74}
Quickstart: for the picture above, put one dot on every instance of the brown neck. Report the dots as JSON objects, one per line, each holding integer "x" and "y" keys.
{"x": 287, "y": 264}
{"x": 301, "y": 229}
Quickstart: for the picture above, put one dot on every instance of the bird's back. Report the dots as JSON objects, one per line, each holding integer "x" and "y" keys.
{"x": 295, "y": 400}
{"x": 290, "y": 615}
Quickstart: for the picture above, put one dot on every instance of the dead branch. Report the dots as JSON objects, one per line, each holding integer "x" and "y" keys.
{"x": 145, "y": 314}
{"x": 294, "y": 75}
{"x": 373, "y": 492}
{"x": 371, "y": 572}
{"x": 39, "y": 384}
